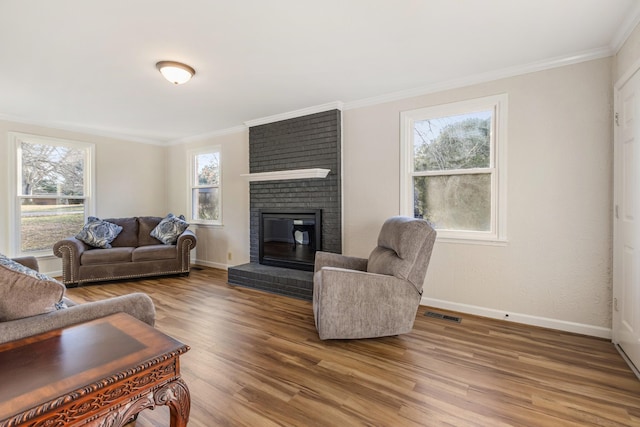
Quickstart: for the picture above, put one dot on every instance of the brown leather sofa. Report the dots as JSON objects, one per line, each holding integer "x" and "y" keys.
{"x": 134, "y": 253}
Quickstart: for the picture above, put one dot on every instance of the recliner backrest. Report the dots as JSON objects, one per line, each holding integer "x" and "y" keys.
{"x": 404, "y": 250}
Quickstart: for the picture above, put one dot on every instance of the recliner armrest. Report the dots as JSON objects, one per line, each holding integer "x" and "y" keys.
{"x": 342, "y": 281}
{"x": 357, "y": 304}
{"x": 329, "y": 259}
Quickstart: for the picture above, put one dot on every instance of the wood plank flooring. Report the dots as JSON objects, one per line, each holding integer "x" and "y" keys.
{"x": 256, "y": 360}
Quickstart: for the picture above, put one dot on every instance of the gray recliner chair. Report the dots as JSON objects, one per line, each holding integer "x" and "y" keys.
{"x": 375, "y": 297}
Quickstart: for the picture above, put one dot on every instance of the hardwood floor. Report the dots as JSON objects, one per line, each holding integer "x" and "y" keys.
{"x": 256, "y": 360}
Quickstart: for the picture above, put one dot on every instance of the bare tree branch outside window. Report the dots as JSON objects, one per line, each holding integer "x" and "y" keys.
{"x": 52, "y": 198}
{"x": 443, "y": 147}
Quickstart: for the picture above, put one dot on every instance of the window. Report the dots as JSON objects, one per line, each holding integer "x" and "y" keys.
{"x": 52, "y": 188}
{"x": 205, "y": 185}
{"x": 452, "y": 171}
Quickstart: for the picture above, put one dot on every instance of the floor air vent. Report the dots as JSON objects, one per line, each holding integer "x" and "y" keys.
{"x": 443, "y": 316}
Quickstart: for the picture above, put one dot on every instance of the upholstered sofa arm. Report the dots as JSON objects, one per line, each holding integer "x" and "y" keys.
{"x": 186, "y": 241}
{"x": 187, "y": 238}
{"x": 329, "y": 259}
{"x": 70, "y": 250}
{"x": 138, "y": 305}
{"x": 357, "y": 304}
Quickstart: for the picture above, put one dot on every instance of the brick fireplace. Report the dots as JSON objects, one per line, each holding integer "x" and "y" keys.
{"x": 302, "y": 143}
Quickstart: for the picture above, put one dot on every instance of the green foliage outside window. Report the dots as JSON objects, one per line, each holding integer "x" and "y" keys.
{"x": 206, "y": 186}
{"x": 453, "y": 199}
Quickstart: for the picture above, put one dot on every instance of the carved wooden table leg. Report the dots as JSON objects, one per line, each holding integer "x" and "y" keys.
{"x": 176, "y": 396}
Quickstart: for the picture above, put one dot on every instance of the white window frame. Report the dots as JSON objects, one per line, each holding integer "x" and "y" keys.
{"x": 15, "y": 182}
{"x": 498, "y": 167}
{"x": 192, "y": 185}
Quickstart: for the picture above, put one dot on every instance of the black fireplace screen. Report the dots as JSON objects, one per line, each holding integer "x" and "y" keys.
{"x": 290, "y": 239}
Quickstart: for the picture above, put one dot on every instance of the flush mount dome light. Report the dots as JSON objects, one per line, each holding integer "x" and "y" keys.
{"x": 176, "y": 72}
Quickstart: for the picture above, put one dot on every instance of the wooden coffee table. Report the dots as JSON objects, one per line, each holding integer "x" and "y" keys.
{"x": 99, "y": 373}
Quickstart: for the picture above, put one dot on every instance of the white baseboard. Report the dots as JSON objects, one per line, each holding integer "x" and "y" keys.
{"x": 211, "y": 264}
{"x": 562, "y": 325}
{"x": 57, "y": 273}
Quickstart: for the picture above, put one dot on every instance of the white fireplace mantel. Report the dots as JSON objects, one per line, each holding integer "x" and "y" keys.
{"x": 287, "y": 174}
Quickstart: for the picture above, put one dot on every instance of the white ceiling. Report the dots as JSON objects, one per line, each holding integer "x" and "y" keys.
{"x": 89, "y": 65}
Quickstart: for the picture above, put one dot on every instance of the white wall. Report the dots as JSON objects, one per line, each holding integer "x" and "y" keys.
{"x": 556, "y": 268}
{"x": 130, "y": 179}
{"x": 216, "y": 242}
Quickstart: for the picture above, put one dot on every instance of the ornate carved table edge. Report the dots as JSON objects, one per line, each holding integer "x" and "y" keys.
{"x": 117, "y": 398}
{"x": 111, "y": 396}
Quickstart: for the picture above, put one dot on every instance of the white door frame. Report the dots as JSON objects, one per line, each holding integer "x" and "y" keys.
{"x": 617, "y": 197}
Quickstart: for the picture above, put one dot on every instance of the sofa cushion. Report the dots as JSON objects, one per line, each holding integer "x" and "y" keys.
{"x": 128, "y": 237}
{"x": 106, "y": 256}
{"x": 146, "y": 224}
{"x": 25, "y": 292}
{"x": 154, "y": 252}
{"x": 170, "y": 228}
{"x": 98, "y": 233}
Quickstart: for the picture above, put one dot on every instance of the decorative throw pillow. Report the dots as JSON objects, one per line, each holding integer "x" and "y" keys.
{"x": 170, "y": 228}
{"x": 25, "y": 292}
{"x": 98, "y": 233}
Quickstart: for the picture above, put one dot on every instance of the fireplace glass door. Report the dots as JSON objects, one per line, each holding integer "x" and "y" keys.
{"x": 290, "y": 239}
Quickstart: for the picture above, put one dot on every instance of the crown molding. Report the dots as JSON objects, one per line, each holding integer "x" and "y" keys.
{"x": 336, "y": 105}
{"x": 483, "y": 77}
{"x": 80, "y": 129}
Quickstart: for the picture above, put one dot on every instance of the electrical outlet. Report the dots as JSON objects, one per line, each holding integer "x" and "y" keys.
{"x": 229, "y": 256}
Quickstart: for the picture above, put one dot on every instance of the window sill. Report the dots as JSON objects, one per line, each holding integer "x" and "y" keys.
{"x": 40, "y": 255}
{"x": 482, "y": 242}
{"x": 194, "y": 224}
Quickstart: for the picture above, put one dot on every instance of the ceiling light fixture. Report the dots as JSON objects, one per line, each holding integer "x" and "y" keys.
{"x": 176, "y": 72}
